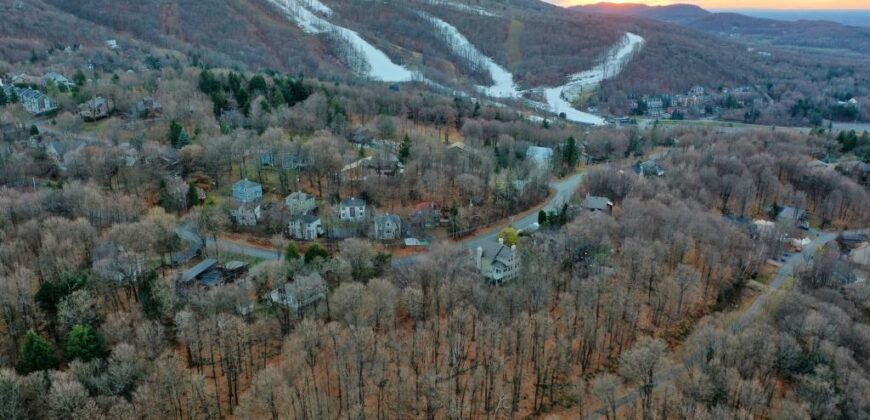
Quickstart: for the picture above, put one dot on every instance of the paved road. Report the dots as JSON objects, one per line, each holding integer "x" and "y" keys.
{"x": 785, "y": 271}
{"x": 564, "y": 190}
{"x": 195, "y": 243}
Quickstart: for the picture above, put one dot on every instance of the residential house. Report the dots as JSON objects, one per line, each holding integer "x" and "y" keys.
{"x": 383, "y": 164}
{"x": 302, "y": 292}
{"x": 207, "y": 273}
{"x": 597, "y": 204}
{"x": 112, "y": 44}
{"x": 497, "y": 262}
{"x": 540, "y": 156}
{"x": 427, "y": 215}
{"x": 147, "y": 108}
{"x": 95, "y": 109}
{"x": 352, "y": 210}
{"x": 246, "y": 191}
{"x": 34, "y": 101}
{"x": 306, "y": 227}
{"x": 56, "y": 78}
{"x": 247, "y": 214}
{"x": 649, "y": 168}
{"x": 299, "y": 203}
{"x": 387, "y": 227}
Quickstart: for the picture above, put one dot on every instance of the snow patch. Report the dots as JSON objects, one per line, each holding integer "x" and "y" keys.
{"x": 362, "y": 56}
{"x": 462, "y": 7}
{"x": 318, "y": 7}
{"x": 503, "y": 81}
{"x": 559, "y": 98}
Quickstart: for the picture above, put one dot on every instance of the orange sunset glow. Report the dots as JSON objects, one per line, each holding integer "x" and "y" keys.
{"x": 741, "y": 4}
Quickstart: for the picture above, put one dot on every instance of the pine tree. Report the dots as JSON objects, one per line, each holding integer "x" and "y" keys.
{"x": 192, "y": 196}
{"x": 291, "y": 254}
{"x": 13, "y": 96}
{"x": 3, "y": 98}
{"x": 315, "y": 251}
{"x": 148, "y": 299}
{"x": 542, "y": 218}
{"x": 36, "y": 354}
{"x": 569, "y": 153}
{"x": 83, "y": 342}
{"x": 405, "y": 149}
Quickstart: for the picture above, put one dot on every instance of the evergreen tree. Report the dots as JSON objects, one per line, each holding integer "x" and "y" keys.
{"x": 291, "y": 254}
{"x": 79, "y": 78}
{"x": 36, "y": 354}
{"x": 83, "y": 342}
{"x": 315, "y": 251}
{"x": 3, "y": 98}
{"x": 34, "y": 130}
{"x": 569, "y": 153}
{"x": 542, "y": 218}
{"x": 13, "y": 96}
{"x": 192, "y": 196}
{"x": 51, "y": 292}
{"x": 166, "y": 200}
{"x": 405, "y": 149}
{"x": 148, "y": 299}
{"x": 178, "y": 136}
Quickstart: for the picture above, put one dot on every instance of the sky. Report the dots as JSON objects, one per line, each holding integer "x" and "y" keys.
{"x": 742, "y": 4}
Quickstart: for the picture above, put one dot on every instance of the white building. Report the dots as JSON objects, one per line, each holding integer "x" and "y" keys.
{"x": 307, "y": 227}
{"x": 301, "y": 292}
{"x": 352, "y": 210}
{"x": 497, "y": 262}
{"x": 388, "y": 227}
{"x": 247, "y": 214}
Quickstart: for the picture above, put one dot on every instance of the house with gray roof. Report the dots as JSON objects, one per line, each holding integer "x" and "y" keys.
{"x": 497, "y": 262}
{"x": 247, "y": 214}
{"x": 649, "y": 168}
{"x": 352, "y": 210}
{"x": 300, "y": 293}
{"x": 246, "y": 191}
{"x": 597, "y": 204}
{"x": 387, "y": 227}
{"x": 791, "y": 215}
{"x": 306, "y": 227}
{"x": 206, "y": 273}
{"x": 95, "y": 109}
{"x": 147, "y": 108}
{"x": 299, "y": 203}
{"x": 56, "y": 78}
{"x": 34, "y": 101}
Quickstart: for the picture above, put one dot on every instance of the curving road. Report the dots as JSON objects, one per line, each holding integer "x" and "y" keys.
{"x": 564, "y": 190}
{"x": 742, "y": 321}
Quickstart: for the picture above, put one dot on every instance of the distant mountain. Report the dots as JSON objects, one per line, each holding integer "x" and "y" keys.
{"x": 802, "y": 33}
{"x": 676, "y": 13}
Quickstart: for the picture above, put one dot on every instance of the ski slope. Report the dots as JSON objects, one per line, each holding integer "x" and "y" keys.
{"x": 503, "y": 81}
{"x": 310, "y": 16}
{"x": 559, "y": 97}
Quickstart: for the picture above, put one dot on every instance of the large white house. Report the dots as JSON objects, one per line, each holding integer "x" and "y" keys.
{"x": 352, "y": 210}
{"x": 306, "y": 227}
{"x": 388, "y": 227}
{"x": 497, "y": 262}
{"x": 247, "y": 214}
